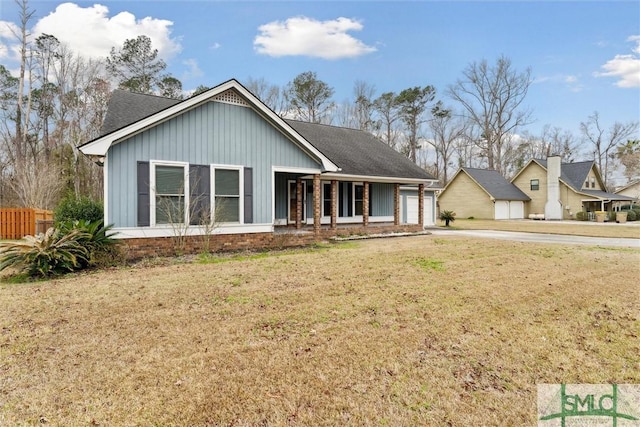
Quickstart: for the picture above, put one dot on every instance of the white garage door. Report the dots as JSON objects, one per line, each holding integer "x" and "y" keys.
{"x": 501, "y": 209}
{"x": 412, "y": 209}
{"x": 516, "y": 210}
{"x": 428, "y": 210}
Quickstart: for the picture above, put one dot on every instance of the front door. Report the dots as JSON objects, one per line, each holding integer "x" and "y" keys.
{"x": 293, "y": 202}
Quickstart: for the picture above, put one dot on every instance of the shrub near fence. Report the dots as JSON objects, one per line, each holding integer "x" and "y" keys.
{"x": 15, "y": 223}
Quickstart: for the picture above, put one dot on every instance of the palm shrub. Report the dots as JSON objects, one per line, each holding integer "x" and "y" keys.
{"x": 48, "y": 254}
{"x": 447, "y": 217}
{"x": 97, "y": 239}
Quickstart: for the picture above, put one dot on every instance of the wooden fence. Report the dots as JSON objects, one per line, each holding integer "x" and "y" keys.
{"x": 20, "y": 222}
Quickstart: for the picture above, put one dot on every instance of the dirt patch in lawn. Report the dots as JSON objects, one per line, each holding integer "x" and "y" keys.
{"x": 406, "y": 331}
{"x": 573, "y": 228}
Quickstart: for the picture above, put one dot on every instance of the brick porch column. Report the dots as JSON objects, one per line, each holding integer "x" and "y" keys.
{"x": 421, "y": 205}
{"x": 299, "y": 197}
{"x": 396, "y": 204}
{"x": 334, "y": 204}
{"x": 317, "y": 196}
{"x": 365, "y": 204}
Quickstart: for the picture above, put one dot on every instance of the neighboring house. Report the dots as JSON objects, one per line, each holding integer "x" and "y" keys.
{"x": 482, "y": 193}
{"x": 632, "y": 190}
{"x": 560, "y": 190}
{"x": 224, "y": 154}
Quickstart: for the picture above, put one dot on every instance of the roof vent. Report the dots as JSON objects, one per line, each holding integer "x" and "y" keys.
{"x": 230, "y": 96}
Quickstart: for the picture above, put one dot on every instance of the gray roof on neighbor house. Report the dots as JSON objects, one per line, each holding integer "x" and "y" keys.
{"x": 574, "y": 174}
{"x": 356, "y": 152}
{"x": 496, "y": 185}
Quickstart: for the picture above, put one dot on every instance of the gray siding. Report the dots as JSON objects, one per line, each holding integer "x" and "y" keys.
{"x": 214, "y": 133}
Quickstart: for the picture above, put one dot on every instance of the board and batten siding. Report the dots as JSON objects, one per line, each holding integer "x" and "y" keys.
{"x": 213, "y": 133}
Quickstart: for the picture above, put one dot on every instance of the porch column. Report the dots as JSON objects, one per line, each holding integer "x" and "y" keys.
{"x": 365, "y": 204}
{"x": 421, "y": 205}
{"x": 396, "y": 204}
{"x": 317, "y": 195}
{"x": 299, "y": 197}
{"x": 334, "y": 204}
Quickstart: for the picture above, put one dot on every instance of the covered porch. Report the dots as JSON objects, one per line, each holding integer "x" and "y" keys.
{"x": 330, "y": 204}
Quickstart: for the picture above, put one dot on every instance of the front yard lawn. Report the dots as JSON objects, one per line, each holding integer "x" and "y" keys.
{"x": 404, "y": 332}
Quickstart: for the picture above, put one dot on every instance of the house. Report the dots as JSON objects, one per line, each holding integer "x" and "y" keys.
{"x": 559, "y": 190}
{"x": 482, "y": 193}
{"x": 542, "y": 189}
{"x": 632, "y": 189}
{"x": 223, "y": 158}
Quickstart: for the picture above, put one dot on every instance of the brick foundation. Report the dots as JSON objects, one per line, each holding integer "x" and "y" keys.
{"x": 285, "y": 237}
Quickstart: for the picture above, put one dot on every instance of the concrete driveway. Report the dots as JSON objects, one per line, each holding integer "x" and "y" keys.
{"x": 541, "y": 238}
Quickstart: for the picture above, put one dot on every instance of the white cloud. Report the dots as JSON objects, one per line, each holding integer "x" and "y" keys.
{"x": 625, "y": 67}
{"x": 90, "y": 30}
{"x": 193, "y": 69}
{"x": 572, "y": 82}
{"x": 302, "y": 36}
{"x": 215, "y": 46}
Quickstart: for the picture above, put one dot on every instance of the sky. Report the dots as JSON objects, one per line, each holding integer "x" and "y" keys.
{"x": 584, "y": 55}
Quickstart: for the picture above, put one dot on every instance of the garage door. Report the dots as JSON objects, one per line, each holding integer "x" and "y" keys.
{"x": 516, "y": 210}
{"x": 501, "y": 209}
{"x": 428, "y": 210}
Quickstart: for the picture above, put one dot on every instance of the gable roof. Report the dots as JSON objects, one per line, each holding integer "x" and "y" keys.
{"x": 495, "y": 184}
{"x": 343, "y": 151}
{"x": 492, "y": 183}
{"x": 120, "y": 126}
{"x": 629, "y": 185}
{"x": 358, "y": 153}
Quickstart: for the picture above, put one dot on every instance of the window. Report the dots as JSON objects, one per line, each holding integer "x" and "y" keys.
{"x": 326, "y": 199}
{"x": 593, "y": 182}
{"x": 535, "y": 184}
{"x": 170, "y": 201}
{"x": 358, "y": 199}
{"x": 227, "y": 195}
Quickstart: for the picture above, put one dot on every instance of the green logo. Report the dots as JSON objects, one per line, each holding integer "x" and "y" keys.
{"x": 588, "y": 404}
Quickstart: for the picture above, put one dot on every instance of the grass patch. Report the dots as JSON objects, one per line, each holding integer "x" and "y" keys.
{"x": 430, "y": 264}
{"x": 342, "y": 335}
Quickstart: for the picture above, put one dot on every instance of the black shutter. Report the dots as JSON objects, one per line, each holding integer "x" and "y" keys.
{"x": 144, "y": 205}
{"x": 248, "y": 195}
{"x": 200, "y": 197}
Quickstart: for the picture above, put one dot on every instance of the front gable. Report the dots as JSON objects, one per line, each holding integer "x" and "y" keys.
{"x": 466, "y": 197}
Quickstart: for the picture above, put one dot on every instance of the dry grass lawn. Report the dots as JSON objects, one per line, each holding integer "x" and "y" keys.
{"x": 400, "y": 332}
{"x": 575, "y": 228}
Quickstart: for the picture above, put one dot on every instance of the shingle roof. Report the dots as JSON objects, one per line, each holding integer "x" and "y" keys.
{"x": 358, "y": 152}
{"x": 126, "y": 108}
{"x": 355, "y": 152}
{"x": 495, "y": 184}
{"x": 574, "y": 174}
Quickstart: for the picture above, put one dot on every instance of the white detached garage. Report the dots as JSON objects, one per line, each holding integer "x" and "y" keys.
{"x": 482, "y": 193}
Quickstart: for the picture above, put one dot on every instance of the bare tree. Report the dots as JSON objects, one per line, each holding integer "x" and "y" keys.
{"x": 446, "y": 131}
{"x": 388, "y": 110}
{"x": 268, "y": 93}
{"x": 629, "y": 155}
{"x": 38, "y": 184}
{"x": 604, "y": 141}
{"x": 492, "y": 97}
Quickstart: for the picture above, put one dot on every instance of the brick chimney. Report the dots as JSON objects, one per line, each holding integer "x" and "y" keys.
{"x": 553, "y": 207}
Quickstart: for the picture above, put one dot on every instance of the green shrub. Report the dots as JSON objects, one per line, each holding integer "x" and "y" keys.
{"x": 582, "y": 216}
{"x": 631, "y": 215}
{"x": 73, "y": 208}
{"x": 447, "y": 217}
{"x": 611, "y": 216}
{"x": 48, "y": 254}
{"x": 97, "y": 240}
{"x": 637, "y": 211}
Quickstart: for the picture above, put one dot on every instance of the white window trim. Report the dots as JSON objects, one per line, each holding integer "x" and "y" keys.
{"x": 353, "y": 201}
{"x": 152, "y": 189}
{"x": 212, "y": 202}
{"x": 323, "y": 194}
